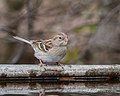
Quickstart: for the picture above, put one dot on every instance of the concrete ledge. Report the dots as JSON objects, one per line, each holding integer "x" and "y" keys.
{"x": 63, "y": 73}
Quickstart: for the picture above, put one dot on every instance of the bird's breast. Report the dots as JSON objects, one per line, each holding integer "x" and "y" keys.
{"x": 53, "y": 55}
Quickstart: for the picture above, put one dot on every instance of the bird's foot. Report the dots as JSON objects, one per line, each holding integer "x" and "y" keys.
{"x": 42, "y": 63}
{"x": 60, "y": 64}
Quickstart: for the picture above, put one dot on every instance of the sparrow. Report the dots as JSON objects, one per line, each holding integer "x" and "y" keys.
{"x": 51, "y": 50}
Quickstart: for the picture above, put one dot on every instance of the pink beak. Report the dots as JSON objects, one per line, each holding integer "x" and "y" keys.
{"x": 66, "y": 39}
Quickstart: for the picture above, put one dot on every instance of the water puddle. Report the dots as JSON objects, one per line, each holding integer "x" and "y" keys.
{"x": 59, "y": 89}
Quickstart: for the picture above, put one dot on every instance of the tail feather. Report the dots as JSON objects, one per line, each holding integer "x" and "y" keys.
{"x": 21, "y": 39}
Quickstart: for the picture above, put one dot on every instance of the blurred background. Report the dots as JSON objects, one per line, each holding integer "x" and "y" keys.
{"x": 93, "y": 28}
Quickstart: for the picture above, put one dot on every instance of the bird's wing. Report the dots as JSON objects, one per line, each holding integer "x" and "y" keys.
{"x": 48, "y": 44}
{"x": 42, "y": 45}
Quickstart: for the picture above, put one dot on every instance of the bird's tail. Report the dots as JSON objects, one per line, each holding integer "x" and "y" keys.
{"x": 21, "y": 39}
{"x": 14, "y": 35}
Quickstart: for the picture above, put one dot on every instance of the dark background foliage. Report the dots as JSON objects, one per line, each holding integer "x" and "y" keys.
{"x": 91, "y": 25}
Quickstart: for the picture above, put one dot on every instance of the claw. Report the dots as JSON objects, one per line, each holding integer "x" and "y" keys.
{"x": 42, "y": 63}
{"x": 59, "y": 64}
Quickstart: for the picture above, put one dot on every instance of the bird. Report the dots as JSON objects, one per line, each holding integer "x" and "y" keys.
{"x": 50, "y": 50}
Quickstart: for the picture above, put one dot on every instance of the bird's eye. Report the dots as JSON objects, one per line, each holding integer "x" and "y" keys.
{"x": 60, "y": 37}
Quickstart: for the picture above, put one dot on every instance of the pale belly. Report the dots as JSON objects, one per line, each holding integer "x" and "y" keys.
{"x": 49, "y": 58}
{"x": 56, "y": 57}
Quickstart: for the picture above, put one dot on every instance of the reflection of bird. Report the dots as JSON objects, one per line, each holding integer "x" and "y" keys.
{"x": 51, "y": 50}
{"x": 41, "y": 92}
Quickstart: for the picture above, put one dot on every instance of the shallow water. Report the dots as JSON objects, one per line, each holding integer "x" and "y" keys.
{"x": 60, "y": 89}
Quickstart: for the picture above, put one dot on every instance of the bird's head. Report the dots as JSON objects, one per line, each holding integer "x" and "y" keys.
{"x": 60, "y": 39}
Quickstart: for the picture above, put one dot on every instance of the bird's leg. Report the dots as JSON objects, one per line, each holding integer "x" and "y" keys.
{"x": 42, "y": 63}
{"x": 59, "y": 64}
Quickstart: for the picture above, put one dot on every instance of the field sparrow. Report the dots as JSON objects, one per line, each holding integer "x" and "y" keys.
{"x": 51, "y": 50}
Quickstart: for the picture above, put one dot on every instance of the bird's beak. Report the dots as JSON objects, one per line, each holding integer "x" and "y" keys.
{"x": 66, "y": 39}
